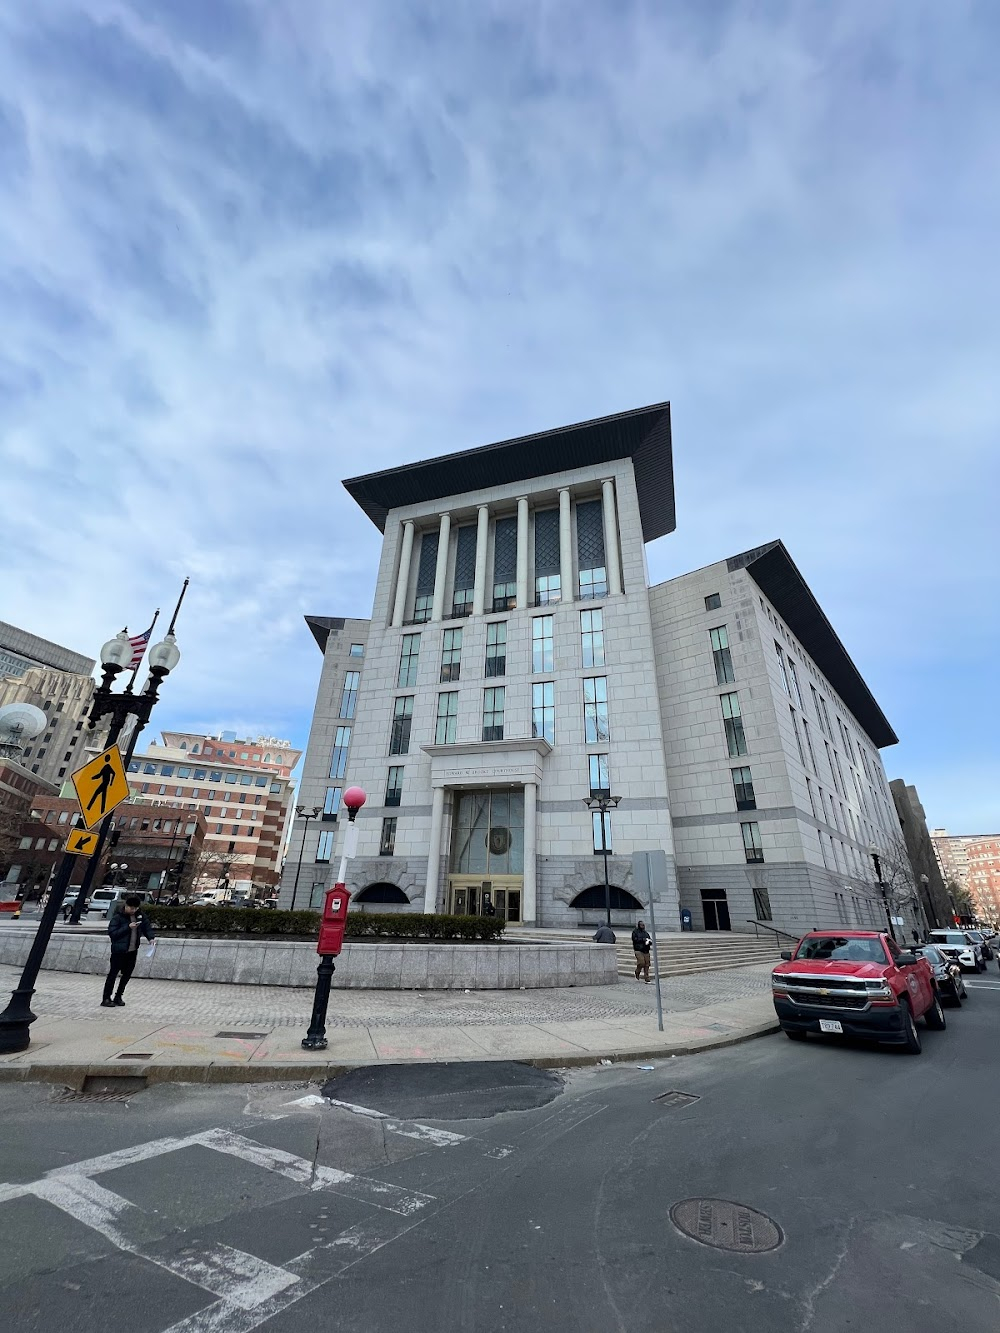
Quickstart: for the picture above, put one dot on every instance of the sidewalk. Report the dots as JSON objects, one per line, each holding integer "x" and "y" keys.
{"x": 199, "y": 1032}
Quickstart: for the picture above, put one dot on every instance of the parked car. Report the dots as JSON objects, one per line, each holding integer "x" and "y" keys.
{"x": 979, "y": 937}
{"x": 855, "y": 983}
{"x": 948, "y": 980}
{"x": 957, "y": 944}
{"x": 103, "y": 900}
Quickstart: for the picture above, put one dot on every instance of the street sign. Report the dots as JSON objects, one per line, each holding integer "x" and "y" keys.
{"x": 81, "y": 843}
{"x": 100, "y": 786}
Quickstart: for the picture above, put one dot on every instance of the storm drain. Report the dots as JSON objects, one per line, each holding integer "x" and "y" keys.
{"x": 135, "y": 1055}
{"x": 726, "y": 1225}
{"x": 247, "y": 1036}
{"x": 677, "y": 1098}
{"x": 103, "y": 1088}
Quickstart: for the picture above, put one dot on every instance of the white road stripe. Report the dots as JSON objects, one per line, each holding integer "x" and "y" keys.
{"x": 239, "y": 1278}
{"x": 982, "y": 985}
{"x": 408, "y": 1129}
{"x": 89, "y": 1203}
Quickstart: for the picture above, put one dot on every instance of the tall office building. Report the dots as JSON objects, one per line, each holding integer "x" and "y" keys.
{"x": 973, "y": 862}
{"x": 517, "y": 664}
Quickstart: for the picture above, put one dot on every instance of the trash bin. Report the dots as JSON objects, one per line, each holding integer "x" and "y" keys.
{"x": 686, "y": 919}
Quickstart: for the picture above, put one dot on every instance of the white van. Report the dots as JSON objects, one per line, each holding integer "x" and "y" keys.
{"x": 103, "y": 900}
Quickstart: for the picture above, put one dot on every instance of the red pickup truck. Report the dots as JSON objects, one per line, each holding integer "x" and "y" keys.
{"x": 855, "y": 983}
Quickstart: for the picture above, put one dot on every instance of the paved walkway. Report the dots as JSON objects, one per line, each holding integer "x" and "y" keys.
{"x": 203, "y": 1032}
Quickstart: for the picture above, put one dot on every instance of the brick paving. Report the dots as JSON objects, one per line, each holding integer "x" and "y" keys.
{"x": 206, "y": 1004}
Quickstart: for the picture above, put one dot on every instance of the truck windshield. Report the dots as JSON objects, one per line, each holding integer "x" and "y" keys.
{"x": 839, "y": 948}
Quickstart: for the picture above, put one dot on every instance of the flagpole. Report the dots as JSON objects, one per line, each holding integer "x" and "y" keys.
{"x": 135, "y": 669}
{"x": 173, "y": 618}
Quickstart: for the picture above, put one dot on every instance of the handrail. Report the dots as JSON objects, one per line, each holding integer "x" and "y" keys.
{"x": 773, "y": 929}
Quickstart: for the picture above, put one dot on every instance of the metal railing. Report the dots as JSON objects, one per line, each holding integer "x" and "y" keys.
{"x": 758, "y": 926}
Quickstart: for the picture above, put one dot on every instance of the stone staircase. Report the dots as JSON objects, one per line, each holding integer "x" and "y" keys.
{"x": 684, "y": 954}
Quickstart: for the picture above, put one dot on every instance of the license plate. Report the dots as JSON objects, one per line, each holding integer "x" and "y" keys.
{"x": 830, "y": 1025}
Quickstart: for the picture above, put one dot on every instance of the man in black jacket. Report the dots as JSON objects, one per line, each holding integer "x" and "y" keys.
{"x": 641, "y": 941}
{"x": 124, "y": 927}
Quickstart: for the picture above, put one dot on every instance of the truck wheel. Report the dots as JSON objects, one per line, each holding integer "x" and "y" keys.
{"x": 934, "y": 1017}
{"x": 912, "y": 1043}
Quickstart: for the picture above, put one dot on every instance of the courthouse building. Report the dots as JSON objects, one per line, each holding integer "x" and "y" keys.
{"x": 517, "y": 663}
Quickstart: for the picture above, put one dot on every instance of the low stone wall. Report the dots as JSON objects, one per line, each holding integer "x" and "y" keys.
{"x": 360, "y": 967}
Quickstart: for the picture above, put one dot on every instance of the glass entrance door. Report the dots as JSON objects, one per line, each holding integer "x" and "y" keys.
{"x": 716, "y": 909}
{"x": 486, "y": 897}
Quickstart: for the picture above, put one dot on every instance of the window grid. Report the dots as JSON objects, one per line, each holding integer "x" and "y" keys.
{"x": 409, "y": 657}
{"x": 451, "y": 655}
{"x": 394, "y": 785}
{"x": 338, "y": 761}
{"x": 798, "y": 738}
{"x": 402, "y": 720}
{"x": 793, "y": 676}
{"x": 733, "y": 721}
{"x": 721, "y": 655}
{"x": 592, "y": 633}
{"x": 541, "y": 643}
{"x": 606, "y": 844}
{"x": 762, "y": 904}
{"x": 751, "y": 842}
{"x": 446, "y": 725}
{"x": 349, "y": 694}
{"x": 387, "y": 841}
{"x": 713, "y": 602}
{"x": 493, "y": 706}
{"x": 496, "y": 648}
{"x": 784, "y": 669}
{"x": 743, "y": 789}
{"x": 600, "y": 774}
{"x": 548, "y": 588}
{"x": 595, "y": 709}
{"x": 543, "y": 711}
{"x": 324, "y": 845}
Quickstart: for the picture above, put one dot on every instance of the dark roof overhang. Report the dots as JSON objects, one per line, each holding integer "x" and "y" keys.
{"x": 321, "y": 627}
{"x": 775, "y": 573}
{"x": 642, "y": 434}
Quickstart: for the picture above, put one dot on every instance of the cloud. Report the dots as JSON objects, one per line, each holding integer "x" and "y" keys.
{"x": 251, "y": 249}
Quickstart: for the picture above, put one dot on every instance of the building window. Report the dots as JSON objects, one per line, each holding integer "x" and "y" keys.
{"x": 798, "y": 738}
{"x": 402, "y": 719}
{"x": 541, "y": 643}
{"x": 600, "y": 775}
{"x": 595, "y": 709}
{"x": 735, "y": 736}
{"x": 721, "y": 656}
{"x": 332, "y": 803}
{"x": 548, "y": 584}
{"x": 713, "y": 601}
{"x": 342, "y": 743}
{"x": 387, "y": 842}
{"x": 465, "y": 571}
{"x": 349, "y": 696}
{"x": 543, "y": 711}
{"x": 409, "y": 655}
{"x": 547, "y": 589}
{"x": 809, "y": 745}
{"x": 590, "y": 549}
{"x": 782, "y": 668}
{"x": 324, "y": 846}
{"x": 496, "y": 648}
{"x": 447, "y": 718}
{"x": 602, "y": 827}
{"x": 762, "y": 904}
{"x": 357, "y": 650}
{"x": 505, "y": 564}
{"x": 394, "y": 785}
{"x": 422, "y": 607}
{"x": 451, "y": 655}
{"x": 751, "y": 842}
{"x": 793, "y": 677}
{"x": 493, "y": 701}
{"x": 167, "y": 771}
{"x": 743, "y": 789}
{"x": 592, "y": 631}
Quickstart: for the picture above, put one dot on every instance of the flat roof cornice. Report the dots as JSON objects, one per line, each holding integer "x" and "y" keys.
{"x": 642, "y": 434}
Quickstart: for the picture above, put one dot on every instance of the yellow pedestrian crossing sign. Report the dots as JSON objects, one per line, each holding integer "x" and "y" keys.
{"x": 81, "y": 843}
{"x": 100, "y": 786}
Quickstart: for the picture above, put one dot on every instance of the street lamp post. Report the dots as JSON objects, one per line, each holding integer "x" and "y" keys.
{"x": 603, "y": 804}
{"x": 315, "y": 1039}
{"x": 16, "y": 1019}
{"x": 873, "y": 853}
{"x": 306, "y": 817}
{"x": 119, "y": 868}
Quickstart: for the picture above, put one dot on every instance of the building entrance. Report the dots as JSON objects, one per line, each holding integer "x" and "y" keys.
{"x": 716, "y": 909}
{"x": 476, "y": 897}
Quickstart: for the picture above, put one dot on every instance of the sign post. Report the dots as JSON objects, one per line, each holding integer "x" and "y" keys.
{"x": 100, "y": 786}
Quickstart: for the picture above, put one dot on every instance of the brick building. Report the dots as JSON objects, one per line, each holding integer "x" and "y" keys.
{"x": 973, "y": 862}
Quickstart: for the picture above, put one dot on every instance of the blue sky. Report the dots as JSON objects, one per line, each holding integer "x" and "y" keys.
{"x": 248, "y": 249}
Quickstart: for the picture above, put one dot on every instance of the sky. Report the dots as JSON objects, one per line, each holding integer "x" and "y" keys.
{"x": 248, "y": 249}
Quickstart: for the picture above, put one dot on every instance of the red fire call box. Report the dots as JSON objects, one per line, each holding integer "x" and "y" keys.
{"x": 331, "y": 926}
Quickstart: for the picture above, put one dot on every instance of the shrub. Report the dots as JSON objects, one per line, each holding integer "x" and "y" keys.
{"x": 360, "y": 925}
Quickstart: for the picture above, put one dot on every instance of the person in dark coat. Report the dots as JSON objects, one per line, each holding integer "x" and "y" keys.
{"x": 126, "y": 925}
{"x": 641, "y": 942}
{"x": 604, "y": 935}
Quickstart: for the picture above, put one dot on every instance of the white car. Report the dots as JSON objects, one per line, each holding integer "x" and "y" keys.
{"x": 958, "y": 944}
{"x": 103, "y": 900}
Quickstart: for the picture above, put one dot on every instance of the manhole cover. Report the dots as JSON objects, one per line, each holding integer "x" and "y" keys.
{"x": 676, "y": 1098}
{"x": 97, "y": 1088}
{"x": 726, "y": 1225}
{"x": 247, "y": 1036}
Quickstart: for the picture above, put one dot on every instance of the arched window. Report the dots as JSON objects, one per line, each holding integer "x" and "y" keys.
{"x": 621, "y": 899}
{"x": 381, "y": 893}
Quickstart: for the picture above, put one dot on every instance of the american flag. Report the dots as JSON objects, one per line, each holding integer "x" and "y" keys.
{"x": 139, "y": 642}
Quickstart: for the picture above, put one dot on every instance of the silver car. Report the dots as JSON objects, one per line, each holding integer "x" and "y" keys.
{"x": 957, "y": 944}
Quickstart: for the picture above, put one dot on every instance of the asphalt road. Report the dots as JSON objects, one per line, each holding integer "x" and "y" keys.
{"x": 438, "y": 1209}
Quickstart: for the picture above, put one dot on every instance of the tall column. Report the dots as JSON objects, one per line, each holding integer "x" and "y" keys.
{"x": 441, "y": 571}
{"x": 529, "y": 895}
{"x": 611, "y": 538}
{"x": 482, "y": 538}
{"x": 565, "y": 549}
{"x": 522, "y": 550}
{"x": 434, "y": 851}
{"x": 403, "y": 577}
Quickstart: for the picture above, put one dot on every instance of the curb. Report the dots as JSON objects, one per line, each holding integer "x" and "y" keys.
{"x": 73, "y": 1076}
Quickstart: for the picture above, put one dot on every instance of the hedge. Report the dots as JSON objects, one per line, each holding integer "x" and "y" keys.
{"x": 360, "y": 925}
